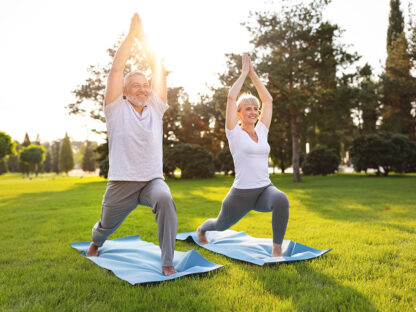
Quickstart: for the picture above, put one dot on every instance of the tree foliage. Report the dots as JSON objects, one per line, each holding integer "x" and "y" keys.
{"x": 66, "y": 157}
{"x": 7, "y": 146}
{"x": 396, "y": 23}
{"x": 55, "y": 153}
{"x": 32, "y": 156}
{"x": 398, "y": 85}
{"x": 88, "y": 161}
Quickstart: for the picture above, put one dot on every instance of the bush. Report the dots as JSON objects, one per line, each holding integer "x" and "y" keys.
{"x": 194, "y": 161}
{"x": 170, "y": 160}
{"x": 390, "y": 151}
{"x": 224, "y": 161}
{"x": 320, "y": 160}
{"x": 104, "y": 166}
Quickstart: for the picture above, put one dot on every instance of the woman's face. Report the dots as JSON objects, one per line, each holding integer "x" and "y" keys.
{"x": 248, "y": 114}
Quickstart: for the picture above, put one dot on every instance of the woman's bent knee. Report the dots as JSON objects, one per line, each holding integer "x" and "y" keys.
{"x": 280, "y": 200}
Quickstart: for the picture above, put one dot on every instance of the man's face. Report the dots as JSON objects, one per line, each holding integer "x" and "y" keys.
{"x": 137, "y": 87}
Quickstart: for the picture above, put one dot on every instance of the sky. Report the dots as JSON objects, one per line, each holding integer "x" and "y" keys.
{"x": 47, "y": 46}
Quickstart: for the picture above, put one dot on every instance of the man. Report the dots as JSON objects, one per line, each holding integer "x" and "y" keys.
{"x": 134, "y": 114}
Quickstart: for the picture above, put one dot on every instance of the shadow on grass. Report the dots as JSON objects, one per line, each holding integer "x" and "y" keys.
{"x": 74, "y": 211}
{"x": 358, "y": 198}
{"x": 310, "y": 290}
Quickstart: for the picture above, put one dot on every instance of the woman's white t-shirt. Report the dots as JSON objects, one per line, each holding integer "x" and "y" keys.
{"x": 251, "y": 159}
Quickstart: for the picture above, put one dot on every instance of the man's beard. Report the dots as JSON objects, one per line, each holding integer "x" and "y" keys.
{"x": 136, "y": 102}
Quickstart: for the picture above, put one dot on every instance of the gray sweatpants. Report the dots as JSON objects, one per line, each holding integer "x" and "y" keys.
{"x": 239, "y": 202}
{"x": 122, "y": 197}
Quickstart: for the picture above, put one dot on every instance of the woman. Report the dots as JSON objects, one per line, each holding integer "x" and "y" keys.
{"x": 252, "y": 188}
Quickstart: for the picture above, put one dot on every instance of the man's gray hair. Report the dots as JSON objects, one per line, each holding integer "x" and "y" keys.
{"x": 247, "y": 98}
{"x": 126, "y": 77}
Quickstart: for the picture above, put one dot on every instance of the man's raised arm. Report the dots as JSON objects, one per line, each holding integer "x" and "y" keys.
{"x": 115, "y": 81}
{"x": 156, "y": 65}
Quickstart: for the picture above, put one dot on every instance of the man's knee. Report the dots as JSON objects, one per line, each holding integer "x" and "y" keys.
{"x": 164, "y": 201}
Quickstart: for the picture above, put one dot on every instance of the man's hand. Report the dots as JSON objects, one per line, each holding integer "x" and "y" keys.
{"x": 136, "y": 27}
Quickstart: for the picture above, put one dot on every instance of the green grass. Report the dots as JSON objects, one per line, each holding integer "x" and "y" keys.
{"x": 369, "y": 222}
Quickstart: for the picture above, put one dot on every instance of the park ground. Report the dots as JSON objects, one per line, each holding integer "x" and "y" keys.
{"x": 370, "y": 222}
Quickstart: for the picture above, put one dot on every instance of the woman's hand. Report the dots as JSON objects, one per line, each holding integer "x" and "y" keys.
{"x": 246, "y": 64}
{"x": 251, "y": 73}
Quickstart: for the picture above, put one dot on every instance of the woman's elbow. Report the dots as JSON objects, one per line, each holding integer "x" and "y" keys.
{"x": 231, "y": 98}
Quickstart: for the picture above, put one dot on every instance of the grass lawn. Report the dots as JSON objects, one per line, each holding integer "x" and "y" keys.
{"x": 370, "y": 223}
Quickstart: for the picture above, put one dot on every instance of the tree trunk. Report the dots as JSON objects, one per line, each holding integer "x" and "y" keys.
{"x": 295, "y": 146}
{"x": 413, "y": 131}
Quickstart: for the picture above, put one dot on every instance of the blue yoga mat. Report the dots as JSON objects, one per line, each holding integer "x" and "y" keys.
{"x": 240, "y": 246}
{"x": 137, "y": 261}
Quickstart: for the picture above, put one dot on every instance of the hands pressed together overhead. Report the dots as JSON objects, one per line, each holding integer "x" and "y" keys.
{"x": 136, "y": 26}
{"x": 247, "y": 65}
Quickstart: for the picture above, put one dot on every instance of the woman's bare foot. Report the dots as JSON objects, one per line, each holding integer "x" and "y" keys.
{"x": 92, "y": 250}
{"x": 201, "y": 236}
{"x": 168, "y": 270}
{"x": 277, "y": 250}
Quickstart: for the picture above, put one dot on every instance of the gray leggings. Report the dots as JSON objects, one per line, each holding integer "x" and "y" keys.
{"x": 239, "y": 202}
{"x": 122, "y": 197}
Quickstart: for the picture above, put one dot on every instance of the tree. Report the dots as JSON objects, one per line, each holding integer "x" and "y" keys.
{"x": 47, "y": 164}
{"x": 398, "y": 85}
{"x": 368, "y": 101}
{"x": 102, "y": 159}
{"x": 298, "y": 52}
{"x": 398, "y": 90}
{"x": 24, "y": 167}
{"x": 55, "y": 153}
{"x": 26, "y": 141}
{"x": 7, "y": 146}
{"x": 88, "y": 161}
{"x": 66, "y": 158}
{"x": 3, "y": 166}
{"x": 32, "y": 156}
{"x": 396, "y": 23}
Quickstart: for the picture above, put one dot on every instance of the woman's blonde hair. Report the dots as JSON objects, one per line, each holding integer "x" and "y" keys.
{"x": 247, "y": 98}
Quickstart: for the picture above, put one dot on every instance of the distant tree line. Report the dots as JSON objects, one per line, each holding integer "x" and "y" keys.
{"x": 319, "y": 101}
{"x": 34, "y": 158}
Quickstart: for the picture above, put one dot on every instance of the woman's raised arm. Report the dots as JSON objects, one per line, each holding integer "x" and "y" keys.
{"x": 265, "y": 98}
{"x": 231, "y": 113}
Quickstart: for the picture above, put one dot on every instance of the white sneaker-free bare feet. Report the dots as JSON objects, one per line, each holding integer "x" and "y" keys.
{"x": 168, "y": 270}
{"x": 277, "y": 250}
{"x": 92, "y": 250}
{"x": 201, "y": 236}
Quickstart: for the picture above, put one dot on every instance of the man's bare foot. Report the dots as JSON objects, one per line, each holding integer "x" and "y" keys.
{"x": 201, "y": 236}
{"x": 92, "y": 250}
{"x": 168, "y": 270}
{"x": 277, "y": 250}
